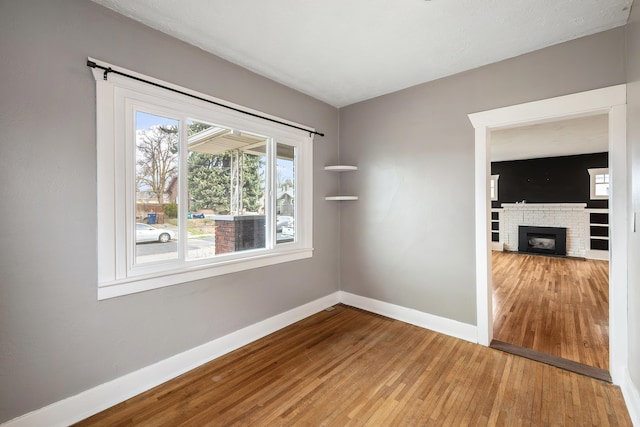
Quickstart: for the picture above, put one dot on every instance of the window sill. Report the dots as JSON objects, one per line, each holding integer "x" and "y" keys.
{"x": 146, "y": 283}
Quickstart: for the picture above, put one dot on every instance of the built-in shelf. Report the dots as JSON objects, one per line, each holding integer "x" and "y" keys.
{"x": 341, "y": 198}
{"x": 341, "y": 168}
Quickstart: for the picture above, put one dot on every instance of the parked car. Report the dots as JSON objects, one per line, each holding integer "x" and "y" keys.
{"x": 147, "y": 233}
{"x": 283, "y": 221}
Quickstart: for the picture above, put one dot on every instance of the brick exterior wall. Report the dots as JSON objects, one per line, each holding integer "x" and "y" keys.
{"x": 239, "y": 233}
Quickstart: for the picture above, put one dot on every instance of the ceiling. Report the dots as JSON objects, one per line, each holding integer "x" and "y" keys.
{"x": 582, "y": 135}
{"x": 345, "y": 51}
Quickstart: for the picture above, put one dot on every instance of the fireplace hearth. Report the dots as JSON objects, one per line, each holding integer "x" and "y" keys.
{"x": 542, "y": 240}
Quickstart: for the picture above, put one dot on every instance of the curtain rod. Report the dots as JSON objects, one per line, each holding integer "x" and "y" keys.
{"x": 108, "y": 70}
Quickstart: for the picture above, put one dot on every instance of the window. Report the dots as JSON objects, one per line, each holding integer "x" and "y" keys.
{"x": 599, "y": 183}
{"x": 493, "y": 187}
{"x": 189, "y": 190}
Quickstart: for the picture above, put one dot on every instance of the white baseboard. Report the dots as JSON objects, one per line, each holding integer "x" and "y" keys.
{"x": 408, "y": 315}
{"x": 94, "y": 400}
{"x": 597, "y": 254}
{"x": 497, "y": 246}
{"x": 631, "y": 398}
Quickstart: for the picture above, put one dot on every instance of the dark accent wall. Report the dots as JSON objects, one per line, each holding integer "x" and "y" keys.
{"x": 549, "y": 180}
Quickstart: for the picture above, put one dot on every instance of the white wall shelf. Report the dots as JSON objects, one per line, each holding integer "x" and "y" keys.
{"x": 341, "y": 168}
{"x": 341, "y": 198}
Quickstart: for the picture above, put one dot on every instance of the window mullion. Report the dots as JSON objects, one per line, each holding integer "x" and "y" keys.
{"x": 271, "y": 190}
{"x": 125, "y": 225}
{"x": 183, "y": 192}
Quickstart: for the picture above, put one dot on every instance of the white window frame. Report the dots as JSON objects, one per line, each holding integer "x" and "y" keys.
{"x": 116, "y": 98}
{"x": 592, "y": 182}
{"x": 494, "y": 180}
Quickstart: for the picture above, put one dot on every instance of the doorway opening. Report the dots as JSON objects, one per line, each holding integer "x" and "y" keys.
{"x": 610, "y": 101}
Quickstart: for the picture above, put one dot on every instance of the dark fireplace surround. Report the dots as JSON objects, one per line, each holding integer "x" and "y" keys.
{"x": 542, "y": 240}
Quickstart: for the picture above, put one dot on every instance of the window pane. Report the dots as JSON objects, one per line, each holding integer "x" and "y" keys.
{"x": 156, "y": 188}
{"x": 599, "y": 179}
{"x": 286, "y": 194}
{"x": 226, "y": 184}
{"x": 602, "y": 189}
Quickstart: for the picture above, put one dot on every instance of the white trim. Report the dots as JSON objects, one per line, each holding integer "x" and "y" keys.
{"x": 580, "y": 207}
{"x": 593, "y": 172}
{"x": 494, "y": 179}
{"x": 94, "y": 400}
{"x": 631, "y": 398}
{"x": 618, "y": 255}
{"x": 499, "y": 245}
{"x": 484, "y": 297}
{"x": 611, "y": 101}
{"x": 141, "y": 284}
{"x": 99, "y": 398}
{"x": 98, "y": 75}
{"x": 116, "y": 102}
{"x": 597, "y": 254}
{"x": 409, "y": 315}
{"x": 575, "y": 105}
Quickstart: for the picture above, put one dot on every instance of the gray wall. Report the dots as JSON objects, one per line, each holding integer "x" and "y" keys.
{"x": 633, "y": 141}
{"x": 409, "y": 240}
{"x": 56, "y": 339}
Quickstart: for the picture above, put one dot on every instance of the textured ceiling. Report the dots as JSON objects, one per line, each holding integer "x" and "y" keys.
{"x": 345, "y": 51}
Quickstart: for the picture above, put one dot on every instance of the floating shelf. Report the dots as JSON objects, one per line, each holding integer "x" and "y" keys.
{"x": 341, "y": 168}
{"x": 341, "y": 198}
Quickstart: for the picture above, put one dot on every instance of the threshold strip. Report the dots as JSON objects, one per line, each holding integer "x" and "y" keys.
{"x": 558, "y": 362}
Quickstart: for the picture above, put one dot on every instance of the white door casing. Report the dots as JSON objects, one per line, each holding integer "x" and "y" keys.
{"x": 610, "y": 100}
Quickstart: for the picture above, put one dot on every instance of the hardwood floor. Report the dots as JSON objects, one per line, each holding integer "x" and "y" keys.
{"x": 558, "y": 306}
{"x": 348, "y": 367}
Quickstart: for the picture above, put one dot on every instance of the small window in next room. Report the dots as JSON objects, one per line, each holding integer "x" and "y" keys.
{"x": 493, "y": 187}
{"x": 599, "y": 183}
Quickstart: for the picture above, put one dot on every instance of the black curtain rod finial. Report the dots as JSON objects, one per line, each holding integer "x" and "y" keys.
{"x": 106, "y": 73}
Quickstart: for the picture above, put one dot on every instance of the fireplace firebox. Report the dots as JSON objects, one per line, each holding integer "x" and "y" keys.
{"x": 542, "y": 240}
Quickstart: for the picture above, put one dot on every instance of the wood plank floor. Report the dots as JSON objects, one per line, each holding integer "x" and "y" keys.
{"x": 347, "y": 367}
{"x": 558, "y": 306}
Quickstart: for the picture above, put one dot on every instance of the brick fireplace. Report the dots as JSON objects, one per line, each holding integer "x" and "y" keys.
{"x": 571, "y": 216}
